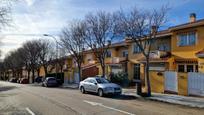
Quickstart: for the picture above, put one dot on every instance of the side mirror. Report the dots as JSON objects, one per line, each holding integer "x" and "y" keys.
{"x": 95, "y": 83}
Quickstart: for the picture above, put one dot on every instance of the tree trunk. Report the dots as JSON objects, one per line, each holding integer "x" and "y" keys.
{"x": 33, "y": 75}
{"x": 28, "y": 75}
{"x": 147, "y": 77}
{"x": 13, "y": 73}
{"x": 45, "y": 70}
{"x": 79, "y": 71}
{"x": 103, "y": 70}
{"x": 38, "y": 72}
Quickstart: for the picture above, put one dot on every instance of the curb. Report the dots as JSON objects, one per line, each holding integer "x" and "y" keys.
{"x": 176, "y": 102}
{"x": 170, "y": 101}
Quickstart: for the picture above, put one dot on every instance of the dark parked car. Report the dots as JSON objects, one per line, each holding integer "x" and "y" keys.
{"x": 100, "y": 86}
{"x": 50, "y": 82}
{"x": 13, "y": 80}
{"x": 24, "y": 81}
{"x": 38, "y": 79}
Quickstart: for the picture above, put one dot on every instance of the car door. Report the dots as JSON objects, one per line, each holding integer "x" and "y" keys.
{"x": 93, "y": 85}
{"x": 86, "y": 84}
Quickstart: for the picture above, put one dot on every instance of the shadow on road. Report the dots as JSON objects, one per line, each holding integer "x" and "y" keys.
{"x": 121, "y": 97}
{"x": 117, "y": 97}
{"x": 7, "y": 88}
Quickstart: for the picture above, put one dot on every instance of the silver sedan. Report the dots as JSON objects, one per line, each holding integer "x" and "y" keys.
{"x": 100, "y": 86}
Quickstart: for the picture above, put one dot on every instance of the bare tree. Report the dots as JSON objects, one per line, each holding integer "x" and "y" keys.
{"x": 141, "y": 27}
{"x": 72, "y": 40}
{"x": 14, "y": 62}
{"x": 99, "y": 35}
{"x": 32, "y": 50}
{"x": 5, "y": 11}
{"x": 45, "y": 54}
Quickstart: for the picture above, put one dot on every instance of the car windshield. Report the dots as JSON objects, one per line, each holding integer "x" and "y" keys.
{"x": 101, "y": 80}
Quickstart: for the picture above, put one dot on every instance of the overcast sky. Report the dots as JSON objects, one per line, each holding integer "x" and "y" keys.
{"x": 32, "y": 18}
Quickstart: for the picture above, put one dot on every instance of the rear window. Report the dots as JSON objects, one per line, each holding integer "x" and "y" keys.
{"x": 52, "y": 79}
{"x": 101, "y": 80}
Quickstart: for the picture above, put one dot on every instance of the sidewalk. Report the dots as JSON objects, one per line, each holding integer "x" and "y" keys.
{"x": 197, "y": 102}
{"x": 70, "y": 86}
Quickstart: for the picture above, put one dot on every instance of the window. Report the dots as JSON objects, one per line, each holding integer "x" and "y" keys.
{"x": 87, "y": 80}
{"x": 187, "y": 39}
{"x": 101, "y": 80}
{"x": 137, "y": 71}
{"x": 136, "y": 49}
{"x": 108, "y": 53}
{"x": 125, "y": 53}
{"x": 163, "y": 47}
{"x": 189, "y": 68}
{"x": 181, "y": 68}
{"x": 92, "y": 81}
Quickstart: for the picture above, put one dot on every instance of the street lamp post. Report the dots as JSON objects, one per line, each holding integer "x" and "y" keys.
{"x": 48, "y": 35}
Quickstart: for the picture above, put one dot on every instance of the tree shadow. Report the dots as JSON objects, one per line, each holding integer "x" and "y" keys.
{"x": 121, "y": 97}
{"x": 117, "y": 97}
{"x": 6, "y": 88}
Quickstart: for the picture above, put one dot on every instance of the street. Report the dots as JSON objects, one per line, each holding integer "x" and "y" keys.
{"x": 18, "y": 99}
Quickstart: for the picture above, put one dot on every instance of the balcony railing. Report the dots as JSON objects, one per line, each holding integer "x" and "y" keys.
{"x": 159, "y": 54}
{"x": 116, "y": 60}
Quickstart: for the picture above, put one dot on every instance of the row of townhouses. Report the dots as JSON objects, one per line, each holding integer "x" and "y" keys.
{"x": 176, "y": 61}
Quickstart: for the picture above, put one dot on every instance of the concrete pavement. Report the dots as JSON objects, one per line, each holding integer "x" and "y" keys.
{"x": 197, "y": 102}
{"x": 58, "y": 101}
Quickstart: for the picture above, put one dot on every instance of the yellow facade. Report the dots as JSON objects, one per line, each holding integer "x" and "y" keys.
{"x": 180, "y": 55}
{"x": 167, "y": 39}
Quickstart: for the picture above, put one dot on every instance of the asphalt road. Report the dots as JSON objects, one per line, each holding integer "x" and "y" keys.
{"x": 17, "y": 99}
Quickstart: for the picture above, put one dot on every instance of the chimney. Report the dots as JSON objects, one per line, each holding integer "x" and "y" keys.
{"x": 154, "y": 29}
{"x": 192, "y": 17}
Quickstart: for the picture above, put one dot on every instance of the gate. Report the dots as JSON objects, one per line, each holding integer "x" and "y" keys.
{"x": 195, "y": 84}
{"x": 171, "y": 82}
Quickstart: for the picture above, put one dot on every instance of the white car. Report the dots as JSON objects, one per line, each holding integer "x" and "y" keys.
{"x": 100, "y": 86}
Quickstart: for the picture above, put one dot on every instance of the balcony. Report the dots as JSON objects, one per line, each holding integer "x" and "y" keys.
{"x": 116, "y": 60}
{"x": 159, "y": 54}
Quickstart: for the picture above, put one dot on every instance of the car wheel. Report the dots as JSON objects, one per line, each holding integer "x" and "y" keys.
{"x": 82, "y": 90}
{"x": 100, "y": 92}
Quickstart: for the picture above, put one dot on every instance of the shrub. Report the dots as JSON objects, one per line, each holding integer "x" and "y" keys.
{"x": 120, "y": 78}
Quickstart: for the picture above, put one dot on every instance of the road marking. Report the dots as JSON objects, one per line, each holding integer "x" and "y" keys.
{"x": 29, "y": 111}
{"x": 100, "y": 104}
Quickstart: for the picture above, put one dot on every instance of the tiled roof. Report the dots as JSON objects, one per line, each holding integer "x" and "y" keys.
{"x": 200, "y": 52}
{"x": 89, "y": 65}
{"x": 188, "y": 25}
{"x": 118, "y": 44}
